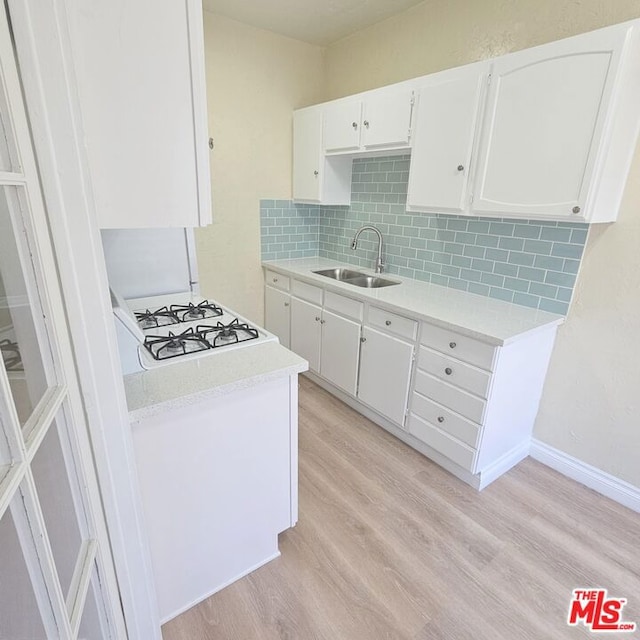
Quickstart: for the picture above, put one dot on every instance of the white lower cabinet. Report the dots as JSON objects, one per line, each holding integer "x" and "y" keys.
{"x": 385, "y": 373}
{"x": 475, "y": 404}
{"x": 277, "y": 318}
{"x": 306, "y": 331}
{"x": 340, "y": 351}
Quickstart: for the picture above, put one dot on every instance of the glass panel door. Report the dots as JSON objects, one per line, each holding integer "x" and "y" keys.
{"x": 56, "y": 574}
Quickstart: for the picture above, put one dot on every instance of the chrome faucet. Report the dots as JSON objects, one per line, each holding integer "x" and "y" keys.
{"x": 354, "y": 244}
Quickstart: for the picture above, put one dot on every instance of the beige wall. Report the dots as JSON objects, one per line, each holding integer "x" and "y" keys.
{"x": 254, "y": 81}
{"x": 591, "y": 402}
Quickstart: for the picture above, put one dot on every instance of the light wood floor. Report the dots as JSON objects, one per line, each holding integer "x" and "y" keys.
{"x": 390, "y": 546}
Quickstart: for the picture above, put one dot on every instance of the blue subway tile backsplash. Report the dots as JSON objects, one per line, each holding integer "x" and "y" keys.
{"x": 528, "y": 262}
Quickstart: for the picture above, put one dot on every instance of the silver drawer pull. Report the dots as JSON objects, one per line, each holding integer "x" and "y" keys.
{"x": 317, "y": 318}
{"x": 388, "y": 323}
{"x": 363, "y": 339}
{"x": 440, "y": 418}
{"x": 452, "y": 345}
{"x": 275, "y": 279}
{"x": 286, "y": 304}
{"x": 322, "y": 321}
{"x": 448, "y": 371}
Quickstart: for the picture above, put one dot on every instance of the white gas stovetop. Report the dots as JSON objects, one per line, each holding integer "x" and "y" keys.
{"x": 175, "y": 327}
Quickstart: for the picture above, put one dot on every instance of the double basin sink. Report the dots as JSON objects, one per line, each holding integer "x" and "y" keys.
{"x": 356, "y": 278}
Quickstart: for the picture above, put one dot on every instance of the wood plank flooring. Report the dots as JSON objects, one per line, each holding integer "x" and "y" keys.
{"x": 391, "y": 547}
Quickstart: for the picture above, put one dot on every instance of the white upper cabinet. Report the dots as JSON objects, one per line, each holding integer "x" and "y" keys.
{"x": 446, "y": 119}
{"x": 380, "y": 120}
{"x": 140, "y": 72}
{"x": 560, "y": 127}
{"x": 317, "y": 179}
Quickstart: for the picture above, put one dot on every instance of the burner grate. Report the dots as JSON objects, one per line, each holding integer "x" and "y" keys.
{"x": 158, "y": 318}
{"x": 165, "y": 347}
{"x": 200, "y": 311}
{"x": 220, "y": 335}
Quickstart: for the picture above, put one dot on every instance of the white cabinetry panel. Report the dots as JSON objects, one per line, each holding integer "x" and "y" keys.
{"x": 342, "y": 126}
{"x": 543, "y": 132}
{"x": 306, "y": 331}
{"x": 307, "y": 154}
{"x": 386, "y": 119}
{"x": 385, "y": 373}
{"x": 277, "y": 316}
{"x": 140, "y": 75}
{"x": 446, "y": 119}
{"x": 340, "y": 351}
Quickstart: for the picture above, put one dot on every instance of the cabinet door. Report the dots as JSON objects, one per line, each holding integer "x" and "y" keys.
{"x": 342, "y": 126}
{"x": 385, "y": 373}
{"x": 386, "y": 120}
{"x": 277, "y": 315}
{"x": 340, "y": 351}
{"x": 306, "y": 331}
{"x": 140, "y": 74}
{"x": 307, "y": 154}
{"x": 445, "y": 125}
{"x": 543, "y": 126}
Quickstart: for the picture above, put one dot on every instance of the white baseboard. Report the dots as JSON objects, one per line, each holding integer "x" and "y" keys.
{"x": 509, "y": 460}
{"x": 606, "y": 484}
{"x": 220, "y": 587}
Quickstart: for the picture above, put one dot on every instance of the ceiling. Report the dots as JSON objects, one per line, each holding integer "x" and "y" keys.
{"x": 319, "y": 22}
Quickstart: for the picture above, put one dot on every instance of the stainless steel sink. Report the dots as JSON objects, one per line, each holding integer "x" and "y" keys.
{"x": 356, "y": 278}
{"x": 340, "y": 273}
{"x": 370, "y": 282}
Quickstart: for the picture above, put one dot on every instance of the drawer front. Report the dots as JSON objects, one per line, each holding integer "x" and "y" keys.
{"x": 454, "y": 372}
{"x": 443, "y": 443}
{"x": 344, "y": 306}
{"x": 393, "y": 323}
{"x": 307, "y": 292}
{"x": 446, "y": 420}
{"x": 277, "y": 280}
{"x": 454, "y": 398}
{"x": 458, "y": 346}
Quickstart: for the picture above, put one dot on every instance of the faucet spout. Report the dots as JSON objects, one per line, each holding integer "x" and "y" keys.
{"x": 354, "y": 245}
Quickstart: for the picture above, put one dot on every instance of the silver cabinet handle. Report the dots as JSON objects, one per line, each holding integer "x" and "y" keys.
{"x": 317, "y": 318}
{"x": 286, "y": 304}
{"x": 322, "y": 321}
{"x": 363, "y": 339}
{"x": 315, "y": 173}
{"x": 576, "y": 209}
{"x": 440, "y": 418}
{"x": 388, "y": 323}
{"x": 354, "y": 125}
{"x": 460, "y": 167}
{"x": 448, "y": 371}
{"x": 211, "y": 143}
{"x": 275, "y": 279}
{"x": 452, "y": 345}
{"x": 366, "y": 123}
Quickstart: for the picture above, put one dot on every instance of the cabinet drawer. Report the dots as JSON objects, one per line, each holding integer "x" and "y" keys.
{"x": 453, "y": 449}
{"x": 446, "y": 420}
{"x": 307, "y": 292}
{"x": 393, "y": 323}
{"x": 345, "y": 306}
{"x": 461, "y": 347}
{"x": 454, "y": 398}
{"x": 454, "y": 372}
{"x": 277, "y": 280}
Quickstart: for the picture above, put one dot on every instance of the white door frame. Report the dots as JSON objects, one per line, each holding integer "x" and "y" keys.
{"x": 44, "y": 55}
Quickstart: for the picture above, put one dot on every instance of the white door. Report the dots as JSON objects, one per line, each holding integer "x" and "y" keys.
{"x": 385, "y": 374}
{"x": 544, "y": 118}
{"x": 277, "y": 316}
{"x": 307, "y": 154}
{"x": 306, "y": 331}
{"x": 386, "y": 119}
{"x": 341, "y": 130}
{"x": 56, "y": 573}
{"x": 340, "y": 351}
{"x": 445, "y": 125}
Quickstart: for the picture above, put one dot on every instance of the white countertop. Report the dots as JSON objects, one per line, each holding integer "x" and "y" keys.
{"x": 486, "y": 319}
{"x": 185, "y": 383}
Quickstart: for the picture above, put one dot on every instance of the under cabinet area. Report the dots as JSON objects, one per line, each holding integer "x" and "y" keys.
{"x": 547, "y": 132}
